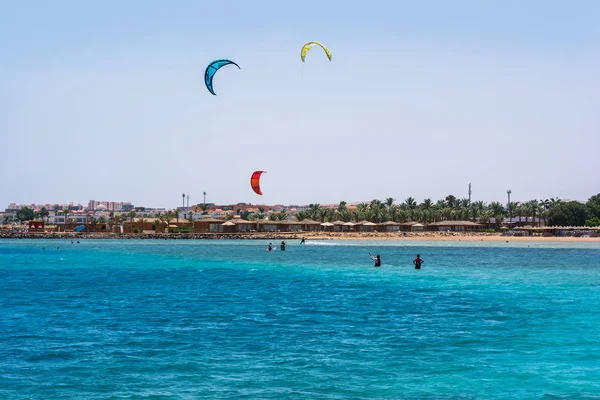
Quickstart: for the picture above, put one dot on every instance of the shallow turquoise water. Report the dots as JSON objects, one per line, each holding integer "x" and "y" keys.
{"x": 195, "y": 319}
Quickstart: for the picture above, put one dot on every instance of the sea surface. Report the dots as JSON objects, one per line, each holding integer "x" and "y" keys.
{"x": 112, "y": 319}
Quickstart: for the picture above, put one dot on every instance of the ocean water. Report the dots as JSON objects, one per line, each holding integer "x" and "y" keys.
{"x": 110, "y": 319}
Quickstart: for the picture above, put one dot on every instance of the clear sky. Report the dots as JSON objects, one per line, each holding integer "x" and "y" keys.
{"x": 106, "y": 100}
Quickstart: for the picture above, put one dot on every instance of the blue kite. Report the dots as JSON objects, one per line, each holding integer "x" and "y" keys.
{"x": 212, "y": 69}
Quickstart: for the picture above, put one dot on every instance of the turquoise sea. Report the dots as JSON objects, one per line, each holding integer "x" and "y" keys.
{"x": 125, "y": 319}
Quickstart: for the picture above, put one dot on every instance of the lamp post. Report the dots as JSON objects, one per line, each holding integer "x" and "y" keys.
{"x": 183, "y": 200}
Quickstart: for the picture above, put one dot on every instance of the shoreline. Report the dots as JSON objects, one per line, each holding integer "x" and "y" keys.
{"x": 364, "y": 236}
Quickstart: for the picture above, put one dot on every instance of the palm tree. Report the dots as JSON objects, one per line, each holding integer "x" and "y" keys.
{"x": 158, "y": 222}
{"x": 44, "y": 213}
{"x": 342, "y": 206}
{"x": 175, "y": 212}
{"x": 484, "y": 216}
{"x": 301, "y": 215}
{"x": 66, "y": 212}
{"x": 314, "y": 211}
{"x": 344, "y": 215}
{"x": 389, "y": 201}
{"x": 131, "y": 215}
{"x": 498, "y": 212}
{"x": 410, "y": 204}
{"x": 440, "y": 204}
{"x": 451, "y": 200}
{"x": 511, "y": 208}
{"x": 376, "y": 211}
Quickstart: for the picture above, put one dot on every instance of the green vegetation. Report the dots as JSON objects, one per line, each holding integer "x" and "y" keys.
{"x": 593, "y": 222}
{"x": 570, "y": 213}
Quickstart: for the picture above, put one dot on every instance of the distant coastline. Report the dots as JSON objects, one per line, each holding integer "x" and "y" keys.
{"x": 410, "y": 236}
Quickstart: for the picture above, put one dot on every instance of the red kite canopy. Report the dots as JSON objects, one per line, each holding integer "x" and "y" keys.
{"x": 255, "y": 181}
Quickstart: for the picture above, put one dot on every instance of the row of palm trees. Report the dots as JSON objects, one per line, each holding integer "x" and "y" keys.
{"x": 450, "y": 208}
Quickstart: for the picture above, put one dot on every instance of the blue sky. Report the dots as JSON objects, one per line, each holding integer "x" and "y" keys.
{"x": 107, "y": 101}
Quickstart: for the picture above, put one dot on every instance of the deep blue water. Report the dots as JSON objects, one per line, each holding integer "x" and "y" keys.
{"x": 192, "y": 319}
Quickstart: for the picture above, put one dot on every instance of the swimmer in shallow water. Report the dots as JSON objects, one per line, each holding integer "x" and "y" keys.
{"x": 418, "y": 261}
{"x": 282, "y": 246}
{"x": 376, "y": 259}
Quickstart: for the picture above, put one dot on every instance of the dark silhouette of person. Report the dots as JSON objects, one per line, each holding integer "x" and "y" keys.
{"x": 418, "y": 261}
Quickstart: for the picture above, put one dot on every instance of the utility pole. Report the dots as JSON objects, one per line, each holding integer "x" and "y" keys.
{"x": 183, "y": 200}
{"x": 469, "y": 193}
{"x": 204, "y": 194}
{"x": 509, "y": 207}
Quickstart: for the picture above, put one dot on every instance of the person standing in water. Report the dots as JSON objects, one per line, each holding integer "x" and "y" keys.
{"x": 270, "y": 248}
{"x": 418, "y": 261}
{"x": 376, "y": 259}
{"x": 303, "y": 241}
{"x": 282, "y": 246}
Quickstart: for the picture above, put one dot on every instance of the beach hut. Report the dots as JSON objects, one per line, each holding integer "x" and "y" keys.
{"x": 228, "y": 227}
{"x": 289, "y": 225}
{"x": 388, "y": 226}
{"x": 337, "y": 225}
{"x": 366, "y": 226}
{"x": 310, "y": 225}
{"x": 243, "y": 225}
{"x": 407, "y": 226}
{"x": 267, "y": 225}
{"x": 328, "y": 226}
{"x": 348, "y": 226}
{"x": 417, "y": 227}
{"x": 206, "y": 225}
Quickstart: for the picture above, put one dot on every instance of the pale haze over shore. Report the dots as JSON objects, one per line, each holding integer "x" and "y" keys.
{"x": 107, "y": 101}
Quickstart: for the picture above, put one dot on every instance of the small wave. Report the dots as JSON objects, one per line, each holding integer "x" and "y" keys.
{"x": 323, "y": 244}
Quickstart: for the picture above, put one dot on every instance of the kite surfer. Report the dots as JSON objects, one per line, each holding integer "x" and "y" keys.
{"x": 270, "y": 248}
{"x": 376, "y": 259}
{"x": 303, "y": 241}
{"x": 418, "y": 261}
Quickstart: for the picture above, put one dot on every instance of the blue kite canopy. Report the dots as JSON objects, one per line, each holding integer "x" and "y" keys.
{"x": 212, "y": 69}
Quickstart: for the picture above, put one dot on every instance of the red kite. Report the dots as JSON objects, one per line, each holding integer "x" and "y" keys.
{"x": 255, "y": 181}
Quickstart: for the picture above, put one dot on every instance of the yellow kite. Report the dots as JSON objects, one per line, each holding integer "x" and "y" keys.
{"x": 309, "y": 46}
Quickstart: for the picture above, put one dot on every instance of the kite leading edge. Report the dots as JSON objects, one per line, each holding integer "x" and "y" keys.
{"x": 309, "y": 46}
{"x": 212, "y": 69}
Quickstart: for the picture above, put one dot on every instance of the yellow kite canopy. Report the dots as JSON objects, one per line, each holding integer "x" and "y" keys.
{"x": 309, "y": 46}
